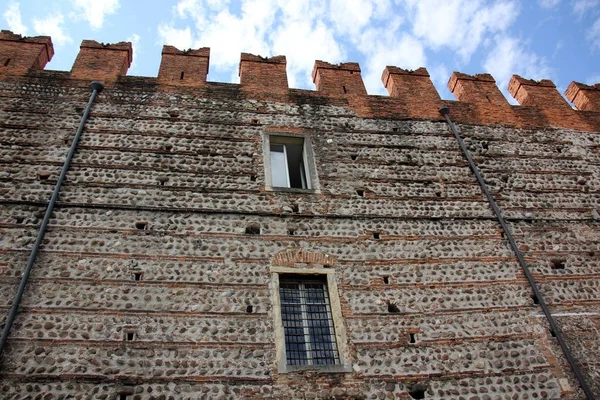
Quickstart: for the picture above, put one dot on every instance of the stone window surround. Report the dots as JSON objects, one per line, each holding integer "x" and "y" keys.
{"x": 336, "y": 312}
{"x": 309, "y": 162}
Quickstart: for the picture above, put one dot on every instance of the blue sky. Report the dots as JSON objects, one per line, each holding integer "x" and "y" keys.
{"x": 538, "y": 39}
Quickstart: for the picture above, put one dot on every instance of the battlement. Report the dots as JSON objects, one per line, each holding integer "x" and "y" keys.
{"x": 411, "y": 93}
{"x": 102, "y": 62}
{"x": 338, "y": 80}
{"x": 187, "y": 68}
{"x": 20, "y": 54}
{"x": 263, "y": 74}
{"x": 583, "y": 96}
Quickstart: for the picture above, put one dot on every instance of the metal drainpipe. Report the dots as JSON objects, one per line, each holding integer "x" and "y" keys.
{"x": 554, "y": 329}
{"x": 96, "y": 88}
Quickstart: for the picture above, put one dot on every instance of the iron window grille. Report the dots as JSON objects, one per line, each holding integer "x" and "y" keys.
{"x": 307, "y": 321}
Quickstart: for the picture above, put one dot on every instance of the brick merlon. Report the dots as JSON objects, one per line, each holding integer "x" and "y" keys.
{"x": 585, "y": 97}
{"x": 459, "y": 76}
{"x": 516, "y": 82}
{"x": 9, "y": 36}
{"x": 349, "y": 66}
{"x": 270, "y": 60}
{"x": 263, "y": 74}
{"x": 201, "y": 52}
{"x": 392, "y": 70}
{"x": 121, "y": 46}
{"x": 184, "y": 67}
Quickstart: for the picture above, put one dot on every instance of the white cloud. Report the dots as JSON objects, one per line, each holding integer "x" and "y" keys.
{"x": 509, "y": 56}
{"x": 198, "y": 9}
{"x": 405, "y": 52}
{"x": 358, "y": 14}
{"x": 303, "y": 36}
{"x": 229, "y": 35}
{"x": 94, "y": 10}
{"x": 581, "y": 7}
{"x": 307, "y": 30}
{"x": 217, "y": 5}
{"x": 302, "y": 10}
{"x": 180, "y": 38}
{"x": 593, "y": 79}
{"x": 50, "y": 26}
{"x": 548, "y": 3}
{"x": 192, "y": 8}
{"x": 440, "y": 74}
{"x": 388, "y": 45}
{"x": 593, "y": 34}
{"x": 135, "y": 40}
{"x": 460, "y": 25}
{"x": 304, "y": 42}
{"x": 355, "y": 16}
{"x": 12, "y": 16}
{"x": 225, "y": 33}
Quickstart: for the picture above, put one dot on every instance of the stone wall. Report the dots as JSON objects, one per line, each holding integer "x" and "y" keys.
{"x": 146, "y": 274}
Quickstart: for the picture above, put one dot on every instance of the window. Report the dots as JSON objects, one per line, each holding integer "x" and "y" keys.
{"x": 289, "y": 163}
{"x": 309, "y": 329}
{"x": 307, "y": 321}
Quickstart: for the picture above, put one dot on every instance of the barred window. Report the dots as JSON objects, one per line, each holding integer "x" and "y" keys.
{"x": 307, "y": 321}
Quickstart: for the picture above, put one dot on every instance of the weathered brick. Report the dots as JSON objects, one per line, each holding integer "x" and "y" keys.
{"x": 149, "y": 282}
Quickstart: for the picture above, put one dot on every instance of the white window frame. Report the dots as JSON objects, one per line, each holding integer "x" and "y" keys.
{"x": 336, "y": 313}
{"x": 310, "y": 173}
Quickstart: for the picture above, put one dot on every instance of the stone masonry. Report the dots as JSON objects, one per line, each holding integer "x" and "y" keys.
{"x": 149, "y": 284}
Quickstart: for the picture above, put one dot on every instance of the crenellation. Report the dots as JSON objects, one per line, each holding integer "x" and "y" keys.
{"x": 544, "y": 97}
{"x": 415, "y": 89}
{"x": 103, "y": 62}
{"x": 584, "y": 97}
{"x": 490, "y": 106}
{"x": 338, "y": 80}
{"x": 158, "y": 275}
{"x": 187, "y": 68}
{"x": 20, "y": 55}
{"x": 263, "y": 75}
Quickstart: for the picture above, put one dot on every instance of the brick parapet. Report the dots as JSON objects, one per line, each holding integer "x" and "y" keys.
{"x": 184, "y": 67}
{"x": 266, "y": 75}
{"x": 411, "y": 93}
{"x": 19, "y": 55}
{"x": 416, "y": 96}
{"x": 585, "y": 97}
{"x": 338, "y": 79}
{"x": 102, "y": 62}
{"x": 543, "y": 96}
{"x": 488, "y": 105}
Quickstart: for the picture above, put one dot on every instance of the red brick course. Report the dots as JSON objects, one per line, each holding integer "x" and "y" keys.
{"x": 583, "y": 96}
{"x": 102, "y": 62}
{"x": 185, "y": 68}
{"x": 412, "y": 94}
{"x": 338, "y": 80}
{"x": 18, "y": 54}
{"x": 262, "y": 74}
